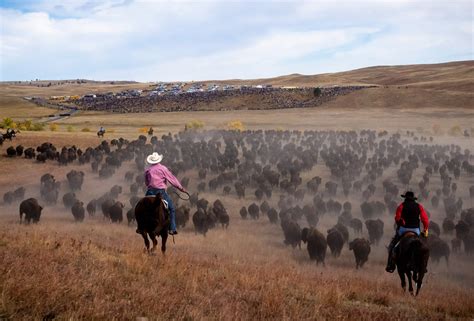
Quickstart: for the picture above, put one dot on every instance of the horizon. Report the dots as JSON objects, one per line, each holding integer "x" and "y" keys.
{"x": 127, "y": 40}
{"x": 232, "y": 79}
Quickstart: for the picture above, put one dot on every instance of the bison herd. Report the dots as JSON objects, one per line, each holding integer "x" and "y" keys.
{"x": 327, "y": 189}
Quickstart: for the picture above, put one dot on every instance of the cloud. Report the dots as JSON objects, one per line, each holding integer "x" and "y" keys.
{"x": 158, "y": 40}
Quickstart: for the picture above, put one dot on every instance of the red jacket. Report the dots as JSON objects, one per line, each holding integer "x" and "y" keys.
{"x": 423, "y": 217}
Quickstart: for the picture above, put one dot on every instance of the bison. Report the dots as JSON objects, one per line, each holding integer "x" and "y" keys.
{"x": 317, "y": 245}
{"x": 335, "y": 241}
{"x": 292, "y": 232}
{"x": 116, "y": 212}
{"x": 361, "y": 248}
{"x": 200, "y": 221}
{"x": 75, "y": 180}
{"x": 31, "y": 209}
{"x": 91, "y": 207}
{"x": 78, "y": 211}
{"x": 69, "y": 199}
{"x": 243, "y": 212}
{"x": 375, "y": 229}
{"x": 438, "y": 249}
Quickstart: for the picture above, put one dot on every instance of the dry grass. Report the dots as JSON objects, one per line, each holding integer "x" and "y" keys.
{"x": 98, "y": 271}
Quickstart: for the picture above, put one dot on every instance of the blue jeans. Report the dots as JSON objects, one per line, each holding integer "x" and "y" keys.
{"x": 402, "y": 230}
{"x": 167, "y": 198}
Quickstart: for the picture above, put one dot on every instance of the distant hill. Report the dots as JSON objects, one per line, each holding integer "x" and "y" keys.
{"x": 457, "y": 76}
{"x": 444, "y": 85}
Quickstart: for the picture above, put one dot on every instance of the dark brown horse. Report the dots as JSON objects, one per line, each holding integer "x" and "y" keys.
{"x": 412, "y": 259}
{"x": 152, "y": 220}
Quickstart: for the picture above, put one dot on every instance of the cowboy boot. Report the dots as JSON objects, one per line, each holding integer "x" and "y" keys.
{"x": 390, "y": 268}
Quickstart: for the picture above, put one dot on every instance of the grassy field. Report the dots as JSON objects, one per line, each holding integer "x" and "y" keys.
{"x": 96, "y": 270}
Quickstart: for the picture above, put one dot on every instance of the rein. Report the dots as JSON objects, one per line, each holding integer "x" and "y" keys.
{"x": 179, "y": 195}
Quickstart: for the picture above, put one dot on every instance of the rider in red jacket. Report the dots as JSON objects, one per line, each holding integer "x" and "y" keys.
{"x": 408, "y": 216}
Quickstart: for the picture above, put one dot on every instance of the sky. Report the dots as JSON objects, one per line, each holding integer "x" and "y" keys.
{"x": 145, "y": 40}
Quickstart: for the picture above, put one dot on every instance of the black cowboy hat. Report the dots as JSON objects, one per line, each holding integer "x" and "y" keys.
{"x": 409, "y": 195}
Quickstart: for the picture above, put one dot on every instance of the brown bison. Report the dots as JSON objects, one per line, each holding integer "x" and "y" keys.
{"x": 182, "y": 216}
{"x": 356, "y": 225}
{"x": 91, "y": 207}
{"x": 31, "y": 209}
{"x": 116, "y": 212}
{"x": 69, "y": 199}
{"x": 361, "y": 248}
{"x": 335, "y": 241}
{"x": 438, "y": 248}
{"x": 317, "y": 245}
{"x": 78, "y": 211}
{"x": 375, "y": 229}
{"x": 201, "y": 221}
{"x": 131, "y": 216}
{"x": 292, "y": 233}
{"x": 75, "y": 180}
{"x": 243, "y": 213}
{"x": 456, "y": 245}
{"x": 105, "y": 206}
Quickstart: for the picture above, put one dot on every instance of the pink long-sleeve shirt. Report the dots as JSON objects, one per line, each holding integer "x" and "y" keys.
{"x": 158, "y": 175}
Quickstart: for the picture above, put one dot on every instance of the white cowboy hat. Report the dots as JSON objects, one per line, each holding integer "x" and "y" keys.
{"x": 154, "y": 158}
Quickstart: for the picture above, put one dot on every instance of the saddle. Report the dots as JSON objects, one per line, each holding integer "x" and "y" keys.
{"x": 405, "y": 235}
{"x": 165, "y": 203}
{"x": 408, "y": 233}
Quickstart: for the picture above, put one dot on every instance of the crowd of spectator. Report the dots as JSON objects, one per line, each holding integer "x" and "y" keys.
{"x": 251, "y": 98}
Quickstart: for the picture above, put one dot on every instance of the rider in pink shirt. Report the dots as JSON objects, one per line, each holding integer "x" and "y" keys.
{"x": 156, "y": 178}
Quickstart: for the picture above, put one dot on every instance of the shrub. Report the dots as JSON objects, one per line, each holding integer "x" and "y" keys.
{"x": 110, "y": 131}
{"x": 37, "y": 127}
{"x": 26, "y": 125}
{"x": 85, "y": 130}
{"x": 194, "y": 124}
{"x": 7, "y": 122}
{"x": 235, "y": 125}
{"x": 143, "y": 130}
{"x": 455, "y": 131}
{"x": 53, "y": 127}
{"x": 70, "y": 129}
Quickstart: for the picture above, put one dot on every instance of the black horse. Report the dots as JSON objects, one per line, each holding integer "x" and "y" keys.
{"x": 412, "y": 259}
{"x": 101, "y": 133}
{"x": 152, "y": 220}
